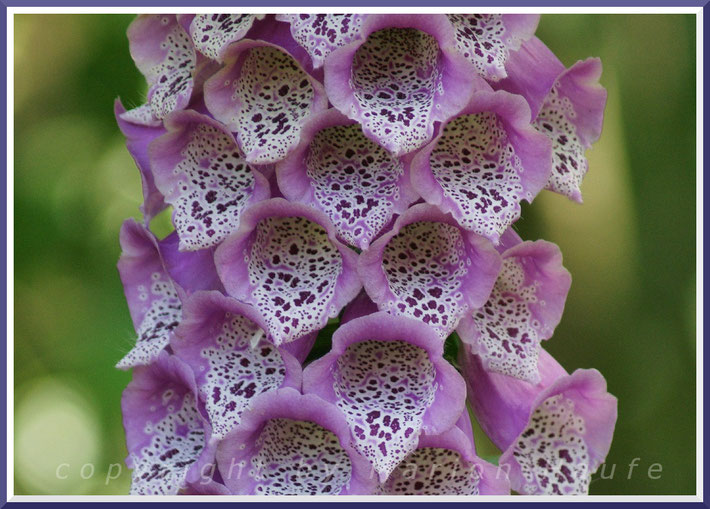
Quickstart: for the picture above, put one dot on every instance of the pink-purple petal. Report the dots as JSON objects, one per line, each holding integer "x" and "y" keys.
{"x": 264, "y": 95}
{"x": 338, "y": 170}
{"x": 163, "y": 52}
{"x": 566, "y": 439}
{"x": 484, "y": 162}
{"x": 152, "y": 297}
{"x": 571, "y": 116}
{"x": 555, "y": 433}
{"x": 198, "y": 168}
{"x": 286, "y": 261}
{"x": 389, "y": 378}
{"x": 399, "y": 77}
{"x": 225, "y": 344}
{"x": 502, "y": 404}
{"x": 321, "y": 34}
{"x": 191, "y": 271}
{"x": 445, "y": 464}
{"x": 428, "y": 268}
{"x": 532, "y": 70}
{"x": 138, "y": 137}
{"x": 212, "y": 33}
{"x": 486, "y": 40}
{"x": 165, "y": 432}
{"x": 291, "y": 444}
{"x": 523, "y": 309}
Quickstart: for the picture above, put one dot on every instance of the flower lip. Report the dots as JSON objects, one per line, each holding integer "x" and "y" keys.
{"x": 435, "y": 389}
{"x": 198, "y": 168}
{"x": 265, "y": 133}
{"x": 252, "y": 243}
{"x": 320, "y": 34}
{"x": 477, "y": 261}
{"x": 581, "y": 415}
{"x": 461, "y": 473}
{"x": 456, "y": 175}
{"x": 223, "y": 341}
{"x": 165, "y": 431}
{"x": 494, "y": 35}
{"x": 242, "y": 443}
{"x": 339, "y": 171}
{"x": 572, "y": 115}
{"x": 523, "y": 309}
{"x": 164, "y": 54}
{"x": 455, "y": 74}
{"x": 153, "y": 298}
{"x": 213, "y": 33}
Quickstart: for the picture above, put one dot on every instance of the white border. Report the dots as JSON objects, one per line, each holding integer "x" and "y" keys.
{"x": 11, "y": 11}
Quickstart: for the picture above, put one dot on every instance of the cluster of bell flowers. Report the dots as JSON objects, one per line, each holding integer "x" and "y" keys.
{"x": 363, "y": 174}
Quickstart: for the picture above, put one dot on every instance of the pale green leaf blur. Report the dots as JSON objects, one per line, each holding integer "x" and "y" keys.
{"x": 630, "y": 248}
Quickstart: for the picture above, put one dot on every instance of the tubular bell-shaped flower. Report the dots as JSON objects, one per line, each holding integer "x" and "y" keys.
{"x": 165, "y": 432}
{"x": 554, "y": 434}
{"x": 224, "y": 343}
{"x": 152, "y": 297}
{"x": 164, "y": 54}
{"x": 445, "y": 464}
{"x": 156, "y": 278}
{"x": 567, "y": 106}
{"x": 265, "y": 96}
{"x": 388, "y": 377}
{"x": 338, "y": 170}
{"x": 287, "y": 262}
{"x": 198, "y": 168}
{"x": 428, "y": 268}
{"x": 399, "y": 77}
{"x": 485, "y": 160}
{"x": 523, "y": 309}
{"x": 291, "y": 444}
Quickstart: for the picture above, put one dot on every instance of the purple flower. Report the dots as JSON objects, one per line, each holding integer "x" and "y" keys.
{"x": 554, "y": 434}
{"x": 225, "y": 344}
{"x": 388, "y": 377}
{"x": 291, "y": 444}
{"x": 338, "y": 170}
{"x": 265, "y": 96}
{"x": 567, "y": 106}
{"x": 446, "y": 464}
{"x": 428, "y": 268}
{"x": 151, "y": 294}
{"x": 165, "y": 432}
{"x": 523, "y": 309}
{"x": 156, "y": 278}
{"x": 399, "y": 77}
{"x": 163, "y": 53}
{"x": 486, "y": 40}
{"x": 286, "y": 261}
{"x": 213, "y": 33}
{"x": 485, "y": 160}
{"x": 200, "y": 172}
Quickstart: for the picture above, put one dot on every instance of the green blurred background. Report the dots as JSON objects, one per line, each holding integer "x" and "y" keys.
{"x": 630, "y": 247}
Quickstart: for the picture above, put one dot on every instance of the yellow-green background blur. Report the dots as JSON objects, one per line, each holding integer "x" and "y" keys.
{"x": 630, "y": 247}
